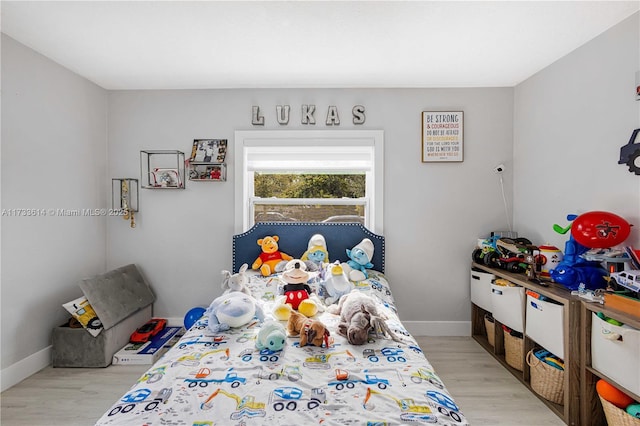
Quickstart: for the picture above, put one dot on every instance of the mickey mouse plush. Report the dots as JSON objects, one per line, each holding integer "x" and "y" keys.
{"x": 296, "y": 288}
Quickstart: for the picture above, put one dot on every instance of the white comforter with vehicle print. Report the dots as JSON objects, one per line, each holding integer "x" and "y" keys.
{"x": 222, "y": 379}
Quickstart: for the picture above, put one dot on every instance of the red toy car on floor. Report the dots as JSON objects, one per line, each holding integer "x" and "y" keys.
{"x": 147, "y": 331}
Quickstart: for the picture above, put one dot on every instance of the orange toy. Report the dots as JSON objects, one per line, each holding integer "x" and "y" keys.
{"x": 270, "y": 255}
{"x": 612, "y": 394}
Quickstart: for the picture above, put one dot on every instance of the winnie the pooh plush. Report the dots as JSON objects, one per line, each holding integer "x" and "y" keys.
{"x": 270, "y": 256}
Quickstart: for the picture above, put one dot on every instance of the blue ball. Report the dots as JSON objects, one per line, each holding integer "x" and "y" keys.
{"x": 192, "y": 316}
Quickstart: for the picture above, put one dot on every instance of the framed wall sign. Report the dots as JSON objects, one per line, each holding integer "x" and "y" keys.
{"x": 442, "y": 136}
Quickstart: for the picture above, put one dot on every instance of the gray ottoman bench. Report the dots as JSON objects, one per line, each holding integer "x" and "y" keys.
{"x": 123, "y": 301}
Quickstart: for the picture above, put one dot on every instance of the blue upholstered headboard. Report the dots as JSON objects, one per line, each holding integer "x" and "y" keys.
{"x": 294, "y": 239}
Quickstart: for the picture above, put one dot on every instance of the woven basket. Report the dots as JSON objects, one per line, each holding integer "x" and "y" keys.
{"x": 490, "y": 326}
{"x": 513, "y": 350}
{"x": 617, "y": 416}
{"x": 546, "y": 381}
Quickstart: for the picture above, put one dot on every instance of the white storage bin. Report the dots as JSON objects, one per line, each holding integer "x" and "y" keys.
{"x": 508, "y": 306}
{"x": 617, "y": 359}
{"x": 544, "y": 324}
{"x": 481, "y": 289}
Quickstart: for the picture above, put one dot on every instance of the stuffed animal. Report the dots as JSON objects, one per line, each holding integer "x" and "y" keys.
{"x": 271, "y": 336}
{"x": 233, "y": 309}
{"x": 336, "y": 284}
{"x": 360, "y": 256}
{"x": 311, "y": 331}
{"x": 270, "y": 256}
{"x": 295, "y": 276}
{"x": 359, "y": 315}
{"x": 316, "y": 251}
{"x": 236, "y": 282}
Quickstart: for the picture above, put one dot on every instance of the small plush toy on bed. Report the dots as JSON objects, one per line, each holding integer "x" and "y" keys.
{"x": 359, "y": 315}
{"x": 271, "y": 336}
{"x": 335, "y": 283}
{"x": 236, "y": 282}
{"x": 270, "y": 257}
{"x": 360, "y": 256}
{"x": 316, "y": 252}
{"x": 233, "y": 309}
{"x": 311, "y": 331}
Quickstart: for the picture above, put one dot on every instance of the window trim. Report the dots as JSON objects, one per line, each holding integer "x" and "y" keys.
{"x": 247, "y": 138}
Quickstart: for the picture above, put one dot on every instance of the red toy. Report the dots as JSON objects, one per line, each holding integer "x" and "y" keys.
{"x": 598, "y": 229}
{"x": 147, "y": 331}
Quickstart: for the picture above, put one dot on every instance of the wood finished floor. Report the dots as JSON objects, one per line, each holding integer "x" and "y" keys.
{"x": 486, "y": 393}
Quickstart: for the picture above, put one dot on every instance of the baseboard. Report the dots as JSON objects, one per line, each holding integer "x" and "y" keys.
{"x": 438, "y": 328}
{"x": 24, "y": 368}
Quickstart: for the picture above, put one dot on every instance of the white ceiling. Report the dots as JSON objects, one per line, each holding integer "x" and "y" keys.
{"x": 234, "y": 44}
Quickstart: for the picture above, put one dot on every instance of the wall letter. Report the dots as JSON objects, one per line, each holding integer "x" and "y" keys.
{"x": 358, "y": 114}
{"x": 332, "y": 116}
{"x": 256, "y": 118}
{"x": 307, "y": 114}
{"x": 282, "y": 113}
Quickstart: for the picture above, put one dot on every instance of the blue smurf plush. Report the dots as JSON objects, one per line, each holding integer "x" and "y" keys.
{"x": 233, "y": 309}
{"x": 360, "y": 256}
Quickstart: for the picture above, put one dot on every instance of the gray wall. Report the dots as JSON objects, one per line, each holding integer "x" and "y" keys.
{"x": 433, "y": 211}
{"x": 54, "y": 146}
{"x": 570, "y": 121}
{"x": 558, "y": 133}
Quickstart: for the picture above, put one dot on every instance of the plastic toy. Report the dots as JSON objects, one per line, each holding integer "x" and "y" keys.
{"x": 360, "y": 256}
{"x": 271, "y": 336}
{"x": 270, "y": 256}
{"x": 612, "y": 394}
{"x": 193, "y": 315}
{"x": 233, "y": 309}
{"x": 598, "y": 229}
{"x": 630, "y": 152}
{"x": 633, "y": 410}
{"x": 236, "y": 282}
{"x": 147, "y": 331}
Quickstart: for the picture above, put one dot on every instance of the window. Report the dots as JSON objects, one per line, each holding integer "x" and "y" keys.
{"x": 310, "y": 176}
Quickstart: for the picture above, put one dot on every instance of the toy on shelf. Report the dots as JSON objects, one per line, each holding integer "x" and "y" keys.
{"x": 596, "y": 229}
{"x": 514, "y": 255}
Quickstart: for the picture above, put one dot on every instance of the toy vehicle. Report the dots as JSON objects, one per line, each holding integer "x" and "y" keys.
{"x": 628, "y": 279}
{"x": 148, "y": 330}
{"x": 630, "y": 152}
{"x": 510, "y": 254}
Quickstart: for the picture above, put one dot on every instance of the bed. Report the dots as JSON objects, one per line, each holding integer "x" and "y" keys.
{"x": 222, "y": 379}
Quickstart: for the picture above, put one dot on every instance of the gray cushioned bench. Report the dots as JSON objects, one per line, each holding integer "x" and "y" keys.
{"x": 123, "y": 301}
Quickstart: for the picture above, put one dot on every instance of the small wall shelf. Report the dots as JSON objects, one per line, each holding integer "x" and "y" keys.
{"x": 207, "y": 172}
{"x": 124, "y": 198}
{"x": 162, "y": 169}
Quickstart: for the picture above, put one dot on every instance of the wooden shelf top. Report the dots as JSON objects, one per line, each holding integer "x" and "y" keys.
{"x": 552, "y": 290}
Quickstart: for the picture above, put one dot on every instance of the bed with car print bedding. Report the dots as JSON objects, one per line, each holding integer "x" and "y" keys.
{"x": 222, "y": 379}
